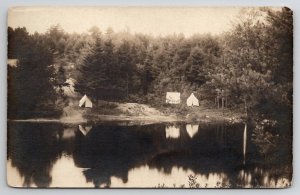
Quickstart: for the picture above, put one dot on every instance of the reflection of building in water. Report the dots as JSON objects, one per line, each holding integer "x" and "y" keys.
{"x": 68, "y": 133}
{"x": 192, "y": 130}
{"x": 84, "y": 130}
{"x": 172, "y": 132}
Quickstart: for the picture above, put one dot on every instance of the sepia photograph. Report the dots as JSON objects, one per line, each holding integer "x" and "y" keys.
{"x": 149, "y": 97}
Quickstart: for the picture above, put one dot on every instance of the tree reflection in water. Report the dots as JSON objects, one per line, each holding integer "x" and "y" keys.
{"x": 215, "y": 155}
{"x": 33, "y": 149}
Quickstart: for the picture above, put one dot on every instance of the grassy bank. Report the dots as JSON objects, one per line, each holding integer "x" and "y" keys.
{"x": 163, "y": 113}
{"x": 115, "y": 111}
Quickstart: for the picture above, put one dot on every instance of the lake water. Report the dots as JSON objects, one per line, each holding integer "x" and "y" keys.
{"x": 121, "y": 154}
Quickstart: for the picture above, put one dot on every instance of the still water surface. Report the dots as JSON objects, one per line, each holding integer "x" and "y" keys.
{"x": 121, "y": 155}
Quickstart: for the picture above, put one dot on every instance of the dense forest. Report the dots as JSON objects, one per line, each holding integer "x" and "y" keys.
{"x": 252, "y": 65}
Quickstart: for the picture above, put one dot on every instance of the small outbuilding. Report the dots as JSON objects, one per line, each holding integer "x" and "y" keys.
{"x": 85, "y": 102}
{"x": 173, "y": 98}
{"x": 69, "y": 89}
{"x": 192, "y": 100}
{"x": 12, "y": 62}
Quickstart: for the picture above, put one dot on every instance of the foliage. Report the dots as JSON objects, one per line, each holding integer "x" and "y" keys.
{"x": 250, "y": 70}
{"x": 252, "y": 63}
{"x": 32, "y": 82}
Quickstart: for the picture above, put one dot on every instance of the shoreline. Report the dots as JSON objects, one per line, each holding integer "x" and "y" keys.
{"x": 141, "y": 113}
{"x": 126, "y": 118}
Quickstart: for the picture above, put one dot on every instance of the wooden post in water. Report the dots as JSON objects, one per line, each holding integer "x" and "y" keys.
{"x": 244, "y": 143}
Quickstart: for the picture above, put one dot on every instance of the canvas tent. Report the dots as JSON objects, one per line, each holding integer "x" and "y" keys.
{"x": 173, "y": 98}
{"x": 192, "y": 100}
{"x": 192, "y": 130}
{"x": 85, "y": 102}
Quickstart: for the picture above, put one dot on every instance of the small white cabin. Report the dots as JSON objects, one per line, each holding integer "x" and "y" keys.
{"x": 173, "y": 98}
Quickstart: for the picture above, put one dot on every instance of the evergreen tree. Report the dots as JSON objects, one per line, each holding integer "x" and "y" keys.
{"x": 195, "y": 70}
{"x": 126, "y": 65}
{"x": 114, "y": 83}
{"x": 148, "y": 75}
{"x": 34, "y": 93}
{"x": 18, "y": 39}
{"x": 93, "y": 73}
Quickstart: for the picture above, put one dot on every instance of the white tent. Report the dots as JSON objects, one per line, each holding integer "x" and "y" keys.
{"x": 85, "y": 102}
{"x": 173, "y": 98}
{"x": 192, "y": 100}
{"x": 192, "y": 130}
{"x": 172, "y": 132}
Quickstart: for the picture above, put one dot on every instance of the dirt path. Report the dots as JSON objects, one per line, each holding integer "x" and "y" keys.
{"x": 135, "y": 109}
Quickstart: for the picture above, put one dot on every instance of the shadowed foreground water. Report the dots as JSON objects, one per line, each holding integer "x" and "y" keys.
{"x": 140, "y": 156}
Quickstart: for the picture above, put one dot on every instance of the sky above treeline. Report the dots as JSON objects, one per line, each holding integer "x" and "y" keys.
{"x": 156, "y": 21}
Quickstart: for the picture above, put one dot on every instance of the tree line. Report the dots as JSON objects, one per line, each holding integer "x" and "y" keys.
{"x": 252, "y": 63}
